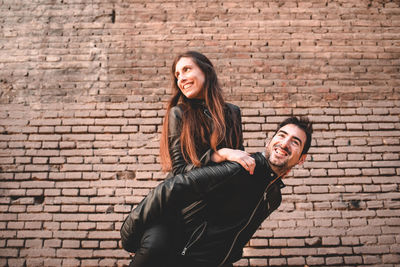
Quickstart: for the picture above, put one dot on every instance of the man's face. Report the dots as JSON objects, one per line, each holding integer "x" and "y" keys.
{"x": 284, "y": 150}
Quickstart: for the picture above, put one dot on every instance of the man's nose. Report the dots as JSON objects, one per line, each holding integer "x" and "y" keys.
{"x": 285, "y": 142}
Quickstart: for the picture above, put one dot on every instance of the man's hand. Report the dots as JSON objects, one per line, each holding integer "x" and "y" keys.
{"x": 236, "y": 155}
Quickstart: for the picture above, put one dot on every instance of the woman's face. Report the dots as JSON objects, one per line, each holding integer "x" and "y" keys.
{"x": 190, "y": 78}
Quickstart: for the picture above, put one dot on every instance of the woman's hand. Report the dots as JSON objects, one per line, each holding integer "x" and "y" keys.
{"x": 236, "y": 155}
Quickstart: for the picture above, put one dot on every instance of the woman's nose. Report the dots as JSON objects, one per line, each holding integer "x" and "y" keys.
{"x": 181, "y": 79}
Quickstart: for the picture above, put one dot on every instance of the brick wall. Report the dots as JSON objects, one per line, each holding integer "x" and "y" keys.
{"x": 82, "y": 90}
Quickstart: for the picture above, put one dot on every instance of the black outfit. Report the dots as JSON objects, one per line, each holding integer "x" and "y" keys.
{"x": 155, "y": 248}
{"x": 220, "y": 207}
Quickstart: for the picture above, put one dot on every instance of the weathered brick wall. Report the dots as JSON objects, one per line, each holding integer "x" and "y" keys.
{"x": 83, "y": 87}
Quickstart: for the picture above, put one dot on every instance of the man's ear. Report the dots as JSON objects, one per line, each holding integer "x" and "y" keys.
{"x": 302, "y": 159}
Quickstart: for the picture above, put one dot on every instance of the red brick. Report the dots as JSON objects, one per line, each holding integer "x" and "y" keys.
{"x": 34, "y": 234}
{"x": 90, "y": 262}
{"x": 8, "y": 234}
{"x": 111, "y": 121}
{"x": 108, "y": 244}
{"x": 108, "y": 262}
{"x": 90, "y": 244}
{"x": 257, "y": 262}
{"x": 105, "y": 217}
{"x": 296, "y": 261}
{"x": 68, "y": 217}
{"x": 104, "y": 235}
{"x": 86, "y": 226}
{"x": 334, "y": 260}
{"x": 33, "y": 225}
{"x": 80, "y": 253}
{"x": 109, "y": 253}
{"x": 52, "y": 262}
{"x": 291, "y": 233}
{"x": 15, "y": 243}
{"x": 319, "y": 261}
{"x": 70, "y": 262}
{"x": 52, "y": 243}
{"x": 71, "y": 244}
{"x": 278, "y": 262}
{"x": 37, "y": 252}
{"x": 391, "y": 258}
{"x": 69, "y": 225}
{"x": 35, "y": 217}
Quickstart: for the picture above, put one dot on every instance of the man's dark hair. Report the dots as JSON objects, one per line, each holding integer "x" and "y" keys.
{"x": 303, "y": 123}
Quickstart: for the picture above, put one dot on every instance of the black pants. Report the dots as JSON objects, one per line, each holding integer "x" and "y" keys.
{"x": 159, "y": 247}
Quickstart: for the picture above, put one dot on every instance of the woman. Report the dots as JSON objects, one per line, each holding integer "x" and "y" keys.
{"x": 199, "y": 128}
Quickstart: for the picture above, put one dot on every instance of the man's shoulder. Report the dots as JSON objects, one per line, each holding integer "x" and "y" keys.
{"x": 259, "y": 158}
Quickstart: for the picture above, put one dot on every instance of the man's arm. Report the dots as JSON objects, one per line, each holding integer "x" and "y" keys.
{"x": 174, "y": 194}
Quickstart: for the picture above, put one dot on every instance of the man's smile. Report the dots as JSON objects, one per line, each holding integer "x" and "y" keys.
{"x": 281, "y": 151}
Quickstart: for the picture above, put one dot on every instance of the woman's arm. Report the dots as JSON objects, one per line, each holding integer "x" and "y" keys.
{"x": 236, "y": 155}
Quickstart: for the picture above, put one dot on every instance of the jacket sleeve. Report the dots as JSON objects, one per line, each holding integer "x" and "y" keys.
{"x": 179, "y": 165}
{"x": 171, "y": 196}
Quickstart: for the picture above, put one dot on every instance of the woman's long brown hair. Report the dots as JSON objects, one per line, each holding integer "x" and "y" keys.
{"x": 194, "y": 129}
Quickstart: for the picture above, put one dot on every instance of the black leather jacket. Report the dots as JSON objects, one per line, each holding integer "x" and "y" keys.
{"x": 220, "y": 207}
{"x": 179, "y": 165}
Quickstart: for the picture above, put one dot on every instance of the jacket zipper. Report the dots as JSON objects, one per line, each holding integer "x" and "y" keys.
{"x": 198, "y": 230}
{"x": 207, "y": 113}
{"x": 264, "y": 196}
{"x": 188, "y": 212}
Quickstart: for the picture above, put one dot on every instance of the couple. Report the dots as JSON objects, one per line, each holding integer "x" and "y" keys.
{"x": 216, "y": 195}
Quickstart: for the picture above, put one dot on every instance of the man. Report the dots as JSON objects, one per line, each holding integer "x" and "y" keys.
{"x": 217, "y": 209}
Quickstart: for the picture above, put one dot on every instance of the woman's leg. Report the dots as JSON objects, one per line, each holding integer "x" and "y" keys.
{"x": 158, "y": 247}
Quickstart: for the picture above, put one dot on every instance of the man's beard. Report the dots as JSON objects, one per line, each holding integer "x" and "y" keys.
{"x": 282, "y": 166}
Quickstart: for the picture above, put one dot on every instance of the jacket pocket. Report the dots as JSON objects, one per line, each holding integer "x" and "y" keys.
{"x": 196, "y": 235}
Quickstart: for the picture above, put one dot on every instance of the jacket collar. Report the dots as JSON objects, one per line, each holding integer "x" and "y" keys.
{"x": 271, "y": 175}
{"x": 200, "y": 103}
{"x": 196, "y": 102}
